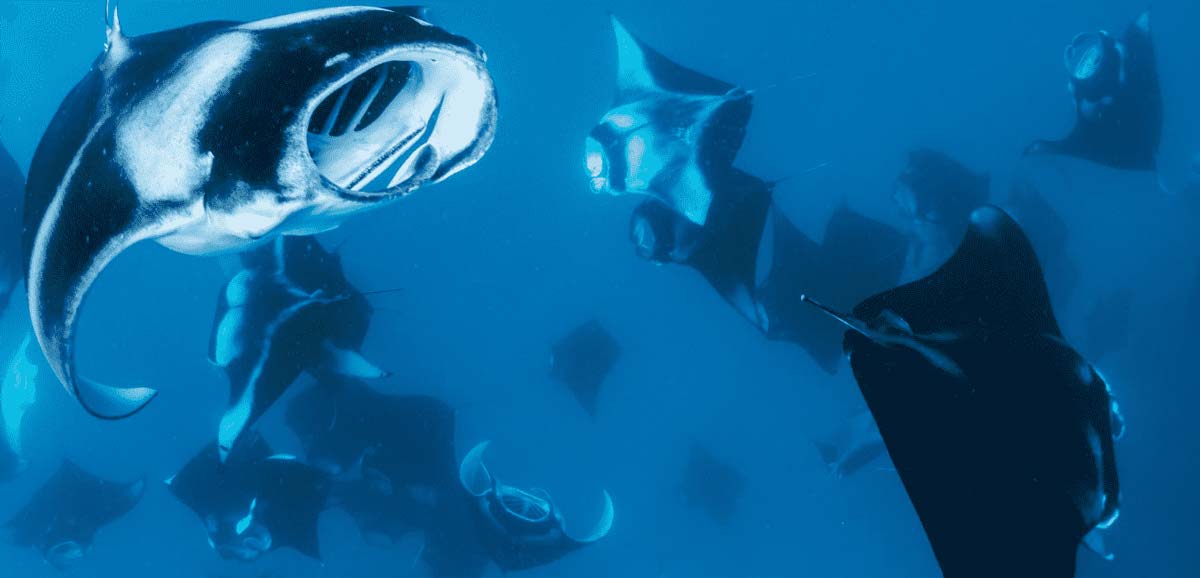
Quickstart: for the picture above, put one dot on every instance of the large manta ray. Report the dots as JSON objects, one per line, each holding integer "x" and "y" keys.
{"x": 1001, "y": 432}
{"x": 62, "y": 517}
{"x": 18, "y": 392}
{"x": 289, "y": 310}
{"x": 217, "y": 136}
{"x": 254, "y": 501}
{"x": 521, "y": 529}
{"x": 856, "y": 257}
{"x": 1118, "y": 102}
{"x": 669, "y": 131}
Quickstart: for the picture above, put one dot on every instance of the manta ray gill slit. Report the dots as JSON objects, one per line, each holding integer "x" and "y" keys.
{"x": 388, "y": 127}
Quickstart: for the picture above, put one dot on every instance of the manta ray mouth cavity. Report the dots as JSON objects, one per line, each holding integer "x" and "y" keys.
{"x": 413, "y": 116}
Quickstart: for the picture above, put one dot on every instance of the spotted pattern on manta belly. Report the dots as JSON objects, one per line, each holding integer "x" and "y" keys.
{"x": 364, "y": 106}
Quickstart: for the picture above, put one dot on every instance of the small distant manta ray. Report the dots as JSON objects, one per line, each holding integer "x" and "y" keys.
{"x": 712, "y": 486}
{"x": 582, "y": 360}
{"x": 671, "y": 131}
{"x": 62, "y": 517}
{"x": 1001, "y": 432}
{"x": 856, "y": 257}
{"x": 854, "y": 446}
{"x": 12, "y": 199}
{"x": 724, "y": 249}
{"x": 521, "y": 529}
{"x": 1107, "y": 325}
{"x": 18, "y": 393}
{"x": 289, "y": 310}
{"x": 255, "y": 501}
{"x": 1118, "y": 101}
{"x": 219, "y": 136}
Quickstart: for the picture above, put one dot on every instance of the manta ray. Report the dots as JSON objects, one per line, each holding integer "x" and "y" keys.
{"x": 936, "y": 194}
{"x": 712, "y": 486}
{"x": 289, "y": 310}
{"x": 582, "y": 360}
{"x": 856, "y": 256}
{"x": 254, "y": 501}
{"x": 1118, "y": 101}
{"x": 1002, "y": 434}
{"x": 724, "y": 250}
{"x": 219, "y": 136}
{"x": 670, "y": 134}
{"x": 18, "y": 393}
{"x": 63, "y": 516}
{"x": 521, "y": 529}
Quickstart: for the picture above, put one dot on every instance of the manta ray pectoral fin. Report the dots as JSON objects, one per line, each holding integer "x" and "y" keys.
{"x": 603, "y": 525}
{"x": 473, "y": 474}
{"x": 107, "y": 402}
{"x": 350, "y": 363}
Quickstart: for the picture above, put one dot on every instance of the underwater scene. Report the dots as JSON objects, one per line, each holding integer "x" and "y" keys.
{"x": 599, "y": 289}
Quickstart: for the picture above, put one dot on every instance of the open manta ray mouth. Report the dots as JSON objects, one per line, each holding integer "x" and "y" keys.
{"x": 416, "y": 116}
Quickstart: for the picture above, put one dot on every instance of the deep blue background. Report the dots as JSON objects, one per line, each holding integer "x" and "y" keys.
{"x": 512, "y": 253}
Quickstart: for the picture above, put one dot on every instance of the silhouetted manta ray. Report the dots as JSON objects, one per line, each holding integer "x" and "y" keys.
{"x": 937, "y": 193}
{"x": 856, "y": 257}
{"x": 62, "y": 517}
{"x": 289, "y": 310}
{"x": 221, "y": 135}
{"x": 254, "y": 501}
{"x": 669, "y": 130}
{"x": 582, "y": 360}
{"x": 1118, "y": 102}
{"x": 1001, "y": 432}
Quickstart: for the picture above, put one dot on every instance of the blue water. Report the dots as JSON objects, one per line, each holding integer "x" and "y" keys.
{"x": 503, "y": 258}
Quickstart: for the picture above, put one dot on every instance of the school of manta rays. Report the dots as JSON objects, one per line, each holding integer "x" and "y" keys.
{"x": 380, "y": 103}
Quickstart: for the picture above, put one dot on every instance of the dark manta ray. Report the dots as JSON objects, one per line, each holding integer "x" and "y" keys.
{"x": 1001, "y": 432}
{"x": 521, "y": 529}
{"x": 1118, "y": 102}
{"x": 399, "y": 439}
{"x": 669, "y": 130}
{"x": 255, "y": 501}
{"x": 856, "y": 257}
{"x": 724, "y": 249}
{"x": 289, "y": 310}
{"x": 583, "y": 359}
{"x": 62, "y": 517}
{"x": 711, "y": 485}
{"x": 12, "y": 198}
{"x": 217, "y": 136}
{"x": 18, "y": 392}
